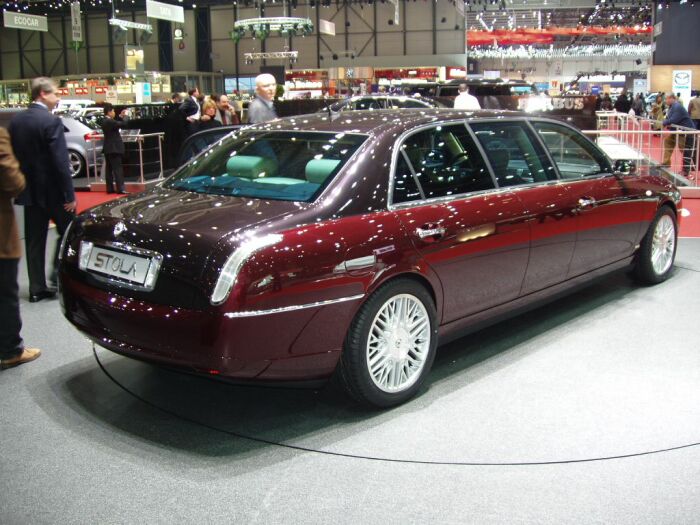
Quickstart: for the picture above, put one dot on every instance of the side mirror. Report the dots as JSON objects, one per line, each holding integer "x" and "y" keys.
{"x": 624, "y": 167}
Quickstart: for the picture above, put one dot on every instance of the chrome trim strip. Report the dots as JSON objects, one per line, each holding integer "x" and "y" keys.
{"x": 253, "y": 313}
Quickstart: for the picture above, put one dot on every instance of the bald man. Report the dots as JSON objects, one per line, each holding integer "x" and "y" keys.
{"x": 261, "y": 109}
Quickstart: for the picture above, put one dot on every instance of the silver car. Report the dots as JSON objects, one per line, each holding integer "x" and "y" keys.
{"x": 84, "y": 141}
{"x": 83, "y": 138}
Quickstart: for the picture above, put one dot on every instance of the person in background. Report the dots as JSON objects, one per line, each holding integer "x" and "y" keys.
{"x": 677, "y": 116}
{"x": 606, "y": 104}
{"x": 191, "y": 109}
{"x": 261, "y": 109}
{"x": 657, "y": 112}
{"x": 622, "y": 104}
{"x": 224, "y": 112}
{"x": 113, "y": 148}
{"x": 466, "y": 101}
{"x": 39, "y": 143}
{"x": 638, "y": 105}
{"x": 208, "y": 118}
{"x": 12, "y": 349}
{"x": 694, "y": 109}
{"x": 175, "y": 132}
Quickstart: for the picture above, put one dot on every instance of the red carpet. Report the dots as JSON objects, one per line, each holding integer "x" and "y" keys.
{"x": 88, "y": 199}
{"x": 690, "y": 223}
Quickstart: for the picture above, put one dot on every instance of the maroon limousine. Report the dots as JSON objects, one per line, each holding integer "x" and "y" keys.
{"x": 314, "y": 246}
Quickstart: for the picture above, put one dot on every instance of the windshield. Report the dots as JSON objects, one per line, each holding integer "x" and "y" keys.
{"x": 277, "y": 165}
{"x": 526, "y": 89}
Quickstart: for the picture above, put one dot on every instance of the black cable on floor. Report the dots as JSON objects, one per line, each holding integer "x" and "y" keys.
{"x": 372, "y": 458}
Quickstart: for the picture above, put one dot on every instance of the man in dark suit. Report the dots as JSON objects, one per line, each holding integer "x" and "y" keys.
{"x": 39, "y": 143}
{"x": 113, "y": 148}
{"x": 12, "y": 349}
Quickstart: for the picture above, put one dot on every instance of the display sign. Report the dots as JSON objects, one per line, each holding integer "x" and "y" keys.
{"x": 112, "y": 96}
{"x": 24, "y": 21}
{"x": 63, "y": 92}
{"x": 76, "y": 22}
{"x": 682, "y": 80}
{"x": 172, "y": 13}
{"x": 658, "y": 28}
{"x": 101, "y": 90}
{"x": 81, "y": 91}
{"x": 134, "y": 59}
{"x": 326, "y": 27}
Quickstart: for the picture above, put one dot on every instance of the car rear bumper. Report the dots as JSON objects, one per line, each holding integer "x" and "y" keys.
{"x": 290, "y": 345}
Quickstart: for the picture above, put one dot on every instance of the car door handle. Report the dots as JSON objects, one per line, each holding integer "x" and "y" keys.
{"x": 430, "y": 233}
{"x": 586, "y": 202}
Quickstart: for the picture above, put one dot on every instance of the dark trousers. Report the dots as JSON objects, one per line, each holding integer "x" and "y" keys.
{"x": 36, "y": 227}
{"x": 114, "y": 172}
{"x": 11, "y": 344}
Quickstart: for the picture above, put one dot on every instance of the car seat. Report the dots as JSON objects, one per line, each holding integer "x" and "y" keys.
{"x": 251, "y": 167}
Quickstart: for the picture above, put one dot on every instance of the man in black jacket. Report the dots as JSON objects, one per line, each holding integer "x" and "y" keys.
{"x": 113, "y": 148}
{"x": 39, "y": 144}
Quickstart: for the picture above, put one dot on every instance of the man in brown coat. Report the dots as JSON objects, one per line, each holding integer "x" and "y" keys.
{"x": 12, "y": 349}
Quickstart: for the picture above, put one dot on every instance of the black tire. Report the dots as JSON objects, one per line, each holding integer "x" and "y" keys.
{"x": 77, "y": 163}
{"x": 644, "y": 270}
{"x": 353, "y": 372}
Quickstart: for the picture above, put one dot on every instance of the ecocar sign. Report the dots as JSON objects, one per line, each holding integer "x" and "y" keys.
{"x": 23, "y": 21}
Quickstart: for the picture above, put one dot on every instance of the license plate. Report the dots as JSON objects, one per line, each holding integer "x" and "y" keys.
{"x": 132, "y": 268}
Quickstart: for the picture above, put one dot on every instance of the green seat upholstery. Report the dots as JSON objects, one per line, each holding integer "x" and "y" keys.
{"x": 318, "y": 170}
{"x": 251, "y": 167}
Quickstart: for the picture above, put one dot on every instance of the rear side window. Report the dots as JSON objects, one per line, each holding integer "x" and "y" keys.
{"x": 574, "y": 156}
{"x": 514, "y": 153}
{"x": 444, "y": 161}
{"x": 407, "y": 103}
{"x": 368, "y": 103}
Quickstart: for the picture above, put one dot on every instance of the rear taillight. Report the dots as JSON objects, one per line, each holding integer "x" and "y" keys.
{"x": 93, "y": 135}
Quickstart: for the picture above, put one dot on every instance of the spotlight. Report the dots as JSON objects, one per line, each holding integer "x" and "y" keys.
{"x": 119, "y": 34}
{"x": 144, "y": 36}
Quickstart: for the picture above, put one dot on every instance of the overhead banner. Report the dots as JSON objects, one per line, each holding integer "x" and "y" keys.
{"x": 22, "y": 21}
{"x": 172, "y": 13}
{"x": 326, "y": 27}
{"x": 76, "y": 22}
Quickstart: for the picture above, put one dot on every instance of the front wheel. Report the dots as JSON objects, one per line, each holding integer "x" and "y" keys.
{"x": 658, "y": 249}
{"x": 390, "y": 346}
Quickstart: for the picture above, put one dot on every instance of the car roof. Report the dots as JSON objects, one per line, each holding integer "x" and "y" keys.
{"x": 377, "y": 121}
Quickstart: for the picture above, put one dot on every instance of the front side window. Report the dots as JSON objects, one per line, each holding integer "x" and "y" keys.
{"x": 280, "y": 165}
{"x": 574, "y": 156}
{"x": 443, "y": 161}
{"x": 514, "y": 153}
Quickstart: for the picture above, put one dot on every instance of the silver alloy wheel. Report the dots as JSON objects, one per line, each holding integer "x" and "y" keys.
{"x": 663, "y": 245}
{"x": 398, "y": 343}
{"x": 76, "y": 162}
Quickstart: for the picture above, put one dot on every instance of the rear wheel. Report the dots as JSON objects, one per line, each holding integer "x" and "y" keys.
{"x": 390, "y": 346}
{"x": 77, "y": 163}
{"x": 658, "y": 249}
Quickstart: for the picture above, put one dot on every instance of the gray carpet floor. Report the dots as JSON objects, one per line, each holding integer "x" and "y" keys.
{"x": 513, "y": 426}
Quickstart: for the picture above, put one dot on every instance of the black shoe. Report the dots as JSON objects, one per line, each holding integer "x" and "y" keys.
{"x": 123, "y": 192}
{"x": 45, "y": 294}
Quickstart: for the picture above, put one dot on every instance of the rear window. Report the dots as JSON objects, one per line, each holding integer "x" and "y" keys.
{"x": 93, "y": 121}
{"x": 291, "y": 166}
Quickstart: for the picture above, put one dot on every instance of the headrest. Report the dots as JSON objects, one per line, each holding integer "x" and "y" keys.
{"x": 318, "y": 170}
{"x": 499, "y": 158}
{"x": 251, "y": 167}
